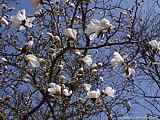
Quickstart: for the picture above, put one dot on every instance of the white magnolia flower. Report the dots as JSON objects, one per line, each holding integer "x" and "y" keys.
{"x": 54, "y": 89}
{"x": 155, "y": 44}
{"x": 87, "y": 87}
{"x": 2, "y": 59}
{"x": 94, "y": 71}
{"x": 95, "y": 27}
{"x": 87, "y": 60}
{"x": 81, "y": 70}
{"x": 94, "y": 65}
{"x": 3, "y": 21}
{"x": 33, "y": 60}
{"x": 105, "y": 24}
{"x": 100, "y": 64}
{"x": 94, "y": 94}
{"x": 30, "y": 43}
{"x": 77, "y": 52}
{"x": 21, "y": 20}
{"x": 66, "y": 92}
{"x": 117, "y": 59}
{"x": 71, "y": 33}
{"x": 109, "y": 91}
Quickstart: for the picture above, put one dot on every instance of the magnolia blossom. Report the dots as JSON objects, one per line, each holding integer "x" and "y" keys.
{"x": 95, "y": 27}
{"x": 21, "y": 20}
{"x": 109, "y": 91}
{"x": 3, "y": 20}
{"x": 100, "y": 64}
{"x": 30, "y": 43}
{"x": 87, "y": 87}
{"x": 71, "y": 33}
{"x": 77, "y": 52}
{"x": 94, "y": 93}
{"x": 155, "y": 44}
{"x": 2, "y": 59}
{"x": 54, "y": 89}
{"x": 66, "y": 92}
{"x": 94, "y": 71}
{"x": 117, "y": 59}
{"x": 33, "y": 60}
{"x": 87, "y": 60}
{"x": 94, "y": 65}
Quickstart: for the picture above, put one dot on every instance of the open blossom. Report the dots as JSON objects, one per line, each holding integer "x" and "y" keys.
{"x": 21, "y": 20}
{"x": 54, "y": 89}
{"x": 109, "y": 91}
{"x": 155, "y": 44}
{"x": 33, "y": 60}
{"x": 117, "y": 59}
{"x": 87, "y": 87}
{"x": 87, "y": 60}
{"x": 67, "y": 92}
{"x": 2, "y": 59}
{"x": 3, "y": 20}
{"x": 71, "y": 33}
{"x": 94, "y": 93}
{"x": 96, "y": 26}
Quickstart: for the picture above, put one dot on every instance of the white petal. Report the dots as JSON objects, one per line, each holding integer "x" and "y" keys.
{"x": 71, "y": 33}
{"x": 117, "y": 59}
{"x": 94, "y": 94}
{"x": 21, "y": 15}
{"x": 109, "y": 91}
{"x": 87, "y": 87}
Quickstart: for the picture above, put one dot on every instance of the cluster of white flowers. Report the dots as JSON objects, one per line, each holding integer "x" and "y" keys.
{"x": 96, "y": 26}
{"x": 21, "y": 20}
{"x": 55, "y": 89}
{"x": 109, "y": 91}
{"x": 155, "y": 44}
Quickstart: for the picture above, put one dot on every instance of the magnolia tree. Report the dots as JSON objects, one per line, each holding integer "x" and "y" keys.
{"x": 80, "y": 59}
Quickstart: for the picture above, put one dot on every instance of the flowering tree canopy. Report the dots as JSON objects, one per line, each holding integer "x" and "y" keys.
{"x": 80, "y": 59}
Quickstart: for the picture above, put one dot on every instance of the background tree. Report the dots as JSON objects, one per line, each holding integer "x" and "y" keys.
{"x": 80, "y": 59}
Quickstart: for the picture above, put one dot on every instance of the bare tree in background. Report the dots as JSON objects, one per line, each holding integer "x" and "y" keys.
{"x": 80, "y": 59}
